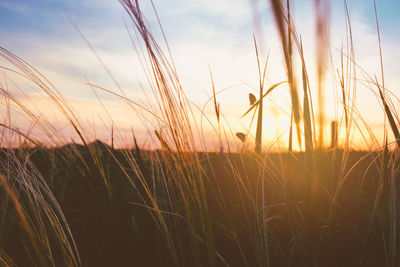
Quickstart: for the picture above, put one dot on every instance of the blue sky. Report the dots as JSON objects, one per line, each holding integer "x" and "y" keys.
{"x": 201, "y": 33}
{"x": 49, "y": 16}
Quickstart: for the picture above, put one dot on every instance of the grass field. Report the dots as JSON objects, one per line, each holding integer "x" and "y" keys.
{"x": 88, "y": 203}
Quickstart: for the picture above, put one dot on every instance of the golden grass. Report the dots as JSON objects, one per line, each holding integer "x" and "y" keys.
{"x": 175, "y": 193}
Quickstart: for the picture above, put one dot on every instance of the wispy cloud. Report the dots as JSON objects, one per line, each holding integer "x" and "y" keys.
{"x": 15, "y": 7}
{"x": 200, "y": 33}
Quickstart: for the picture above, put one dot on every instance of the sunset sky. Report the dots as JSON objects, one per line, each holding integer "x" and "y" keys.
{"x": 202, "y": 34}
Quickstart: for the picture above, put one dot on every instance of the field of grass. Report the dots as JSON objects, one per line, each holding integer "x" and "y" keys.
{"x": 87, "y": 203}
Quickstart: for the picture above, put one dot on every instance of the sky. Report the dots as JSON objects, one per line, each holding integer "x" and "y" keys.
{"x": 202, "y": 35}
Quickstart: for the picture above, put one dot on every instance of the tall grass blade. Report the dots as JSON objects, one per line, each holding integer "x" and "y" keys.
{"x": 285, "y": 34}
{"x": 322, "y": 38}
{"x": 389, "y": 115}
{"x": 306, "y": 108}
{"x": 260, "y": 103}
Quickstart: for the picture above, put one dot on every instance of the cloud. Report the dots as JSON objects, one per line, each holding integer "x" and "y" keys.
{"x": 15, "y": 7}
{"x": 201, "y": 34}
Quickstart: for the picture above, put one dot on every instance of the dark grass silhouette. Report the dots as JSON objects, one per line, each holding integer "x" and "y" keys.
{"x": 117, "y": 228}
